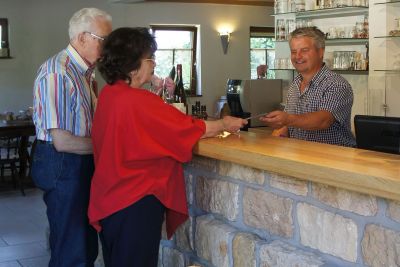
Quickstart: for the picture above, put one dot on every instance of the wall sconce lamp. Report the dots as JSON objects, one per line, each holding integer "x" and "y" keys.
{"x": 225, "y": 36}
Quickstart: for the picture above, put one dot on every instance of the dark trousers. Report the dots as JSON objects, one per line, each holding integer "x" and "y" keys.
{"x": 65, "y": 178}
{"x": 131, "y": 236}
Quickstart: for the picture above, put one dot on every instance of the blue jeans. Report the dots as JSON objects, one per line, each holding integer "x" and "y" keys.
{"x": 65, "y": 178}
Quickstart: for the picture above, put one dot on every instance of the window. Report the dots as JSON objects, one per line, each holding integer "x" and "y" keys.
{"x": 262, "y": 50}
{"x": 177, "y": 45}
{"x": 4, "y": 51}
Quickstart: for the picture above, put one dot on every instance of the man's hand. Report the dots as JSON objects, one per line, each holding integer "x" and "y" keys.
{"x": 64, "y": 141}
{"x": 281, "y": 132}
{"x": 276, "y": 119}
{"x": 318, "y": 120}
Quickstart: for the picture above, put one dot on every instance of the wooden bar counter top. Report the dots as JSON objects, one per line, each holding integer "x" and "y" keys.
{"x": 354, "y": 169}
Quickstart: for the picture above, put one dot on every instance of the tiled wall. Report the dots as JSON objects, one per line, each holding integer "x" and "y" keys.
{"x": 242, "y": 216}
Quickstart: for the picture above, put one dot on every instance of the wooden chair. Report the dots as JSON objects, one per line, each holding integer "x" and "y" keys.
{"x": 9, "y": 158}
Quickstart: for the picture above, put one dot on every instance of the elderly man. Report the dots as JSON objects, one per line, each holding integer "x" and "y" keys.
{"x": 65, "y": 96}
{"x": 319, "y": 101}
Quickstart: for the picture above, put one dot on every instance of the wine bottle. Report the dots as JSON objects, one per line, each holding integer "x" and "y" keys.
{"x": 180, "y": 96}
{"x": 172, "y": 73}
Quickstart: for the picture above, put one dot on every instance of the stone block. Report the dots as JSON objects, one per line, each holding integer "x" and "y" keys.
{"x": 268, "y": 211}
{"x": 203, "y": 163}
{"x": 244, "y": 246}
{"x": 380, "y": 246}
{"x": 172, "y": 258}
{"x": 280, "y": 254}
{"x": 328, "y": 232}
{"x": 189, "y": 180}
{"x": 218, "y": 197}
{"x": 184, "y": 235}
{"x": 362, "y": 204}
{"x": 394, "y": 210}
{"x": 240, "y": 172}
{"x": 213, "y": 241}
{"x": 289, "y": 184}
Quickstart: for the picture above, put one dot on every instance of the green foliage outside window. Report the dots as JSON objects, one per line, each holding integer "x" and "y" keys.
{"x": 262, "y": 51}
{"x": 174, "y": 47}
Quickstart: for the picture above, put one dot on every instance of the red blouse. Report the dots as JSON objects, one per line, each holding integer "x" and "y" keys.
{"x": 139, "y": 145}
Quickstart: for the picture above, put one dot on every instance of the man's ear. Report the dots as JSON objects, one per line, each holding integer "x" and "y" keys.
{"x": 81, "y": 38}
{"x": 321, "y": 53}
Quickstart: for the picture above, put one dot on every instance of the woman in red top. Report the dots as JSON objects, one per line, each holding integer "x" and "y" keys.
{"x": 139, "y": 145}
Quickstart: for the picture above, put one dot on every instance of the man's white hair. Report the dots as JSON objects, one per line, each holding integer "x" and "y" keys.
{"x": 82, "y": 21}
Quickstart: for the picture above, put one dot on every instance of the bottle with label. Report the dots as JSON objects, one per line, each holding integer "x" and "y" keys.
{"x": 180, "y": 96}
{"x": 204, "y": 114}
{"x": 172, "y": 73}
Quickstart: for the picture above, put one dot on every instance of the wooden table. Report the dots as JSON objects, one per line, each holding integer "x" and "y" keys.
{"x": 23, "y": 130}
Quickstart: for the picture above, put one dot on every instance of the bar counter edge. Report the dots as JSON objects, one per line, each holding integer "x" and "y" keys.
{"x": 354, "y": 169}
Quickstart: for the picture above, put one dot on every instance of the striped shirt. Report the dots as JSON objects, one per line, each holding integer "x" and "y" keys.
{"x": 62, "y": 95}
{"x": 327, "y": 91}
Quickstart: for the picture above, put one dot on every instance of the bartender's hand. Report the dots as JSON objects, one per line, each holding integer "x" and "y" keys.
{"x": 281, "y": 132}
{"x": 276, "y": 119}
{"x": 233, "y": 124}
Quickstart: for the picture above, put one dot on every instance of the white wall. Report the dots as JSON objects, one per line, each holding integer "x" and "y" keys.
{"x": 39, "y": 29}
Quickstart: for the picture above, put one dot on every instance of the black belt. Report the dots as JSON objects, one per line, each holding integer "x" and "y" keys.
{"x": 44, "y": 142}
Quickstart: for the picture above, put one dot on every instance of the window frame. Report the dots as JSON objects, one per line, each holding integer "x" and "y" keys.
{"x": 4, "y": 37}
{"x": 261, "y": 32}
{"x": 193, "y": 77}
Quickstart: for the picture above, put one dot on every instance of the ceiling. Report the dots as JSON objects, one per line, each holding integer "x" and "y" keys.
{"x": 230, "y": 2}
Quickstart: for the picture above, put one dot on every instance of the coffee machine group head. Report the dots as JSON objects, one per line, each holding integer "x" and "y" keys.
{"x": 234, "y": 91}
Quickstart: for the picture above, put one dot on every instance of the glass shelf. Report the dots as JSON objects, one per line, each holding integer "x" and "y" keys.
{"x": 387, "y": 36}
{"x": 338, "y": 71}
{"x": 351, "y": 71}
{"x": 346, "y": 41}
{"x": 338, "y": 41}
{"x": 333, "y": 12}
{"x": 388, "y": 2}
{"x": 388, "y": 70}
{"x": 284, "y": 13}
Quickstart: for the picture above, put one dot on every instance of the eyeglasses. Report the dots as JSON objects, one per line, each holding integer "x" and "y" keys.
{"x": 96, "y": 36}
{"x": 152, "y": 59}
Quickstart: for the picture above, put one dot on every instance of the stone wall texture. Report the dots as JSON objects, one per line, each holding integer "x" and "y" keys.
{"x": 245, "y": 217}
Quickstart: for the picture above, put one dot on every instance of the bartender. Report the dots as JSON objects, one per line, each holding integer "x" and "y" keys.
{"x": 319, "y": 101}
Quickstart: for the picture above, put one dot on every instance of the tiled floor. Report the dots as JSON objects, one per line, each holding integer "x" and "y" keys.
{"x": 23, "y": 225}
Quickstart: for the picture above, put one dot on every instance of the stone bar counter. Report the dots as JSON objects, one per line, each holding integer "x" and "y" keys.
{"x": 258, "y": 200}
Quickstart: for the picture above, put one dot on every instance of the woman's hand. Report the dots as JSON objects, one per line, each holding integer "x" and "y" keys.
{"x": 233, "y": 124}
{"x": 228, "y": 123}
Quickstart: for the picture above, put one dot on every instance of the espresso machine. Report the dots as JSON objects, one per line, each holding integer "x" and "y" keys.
{"x": 251, "y": 97}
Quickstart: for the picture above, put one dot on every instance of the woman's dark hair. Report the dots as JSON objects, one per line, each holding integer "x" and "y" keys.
{"x": 123, "y": 51}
